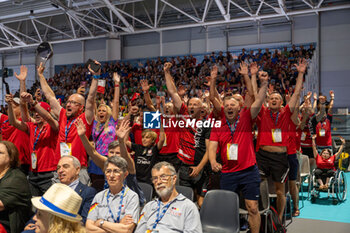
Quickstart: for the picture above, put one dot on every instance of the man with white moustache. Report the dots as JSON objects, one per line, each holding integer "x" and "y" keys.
{"x": 172, "y": 212}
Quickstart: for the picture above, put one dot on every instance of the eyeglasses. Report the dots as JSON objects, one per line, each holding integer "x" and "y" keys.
{"x": 163, "y": 178}
{"x": 115, "y": 171}
{"x": 73, "y": 102}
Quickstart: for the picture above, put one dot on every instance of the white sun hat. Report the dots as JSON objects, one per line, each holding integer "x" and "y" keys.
{"x": 60, "y": 200}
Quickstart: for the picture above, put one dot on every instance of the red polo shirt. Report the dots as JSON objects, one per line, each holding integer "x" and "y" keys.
{"x": 77, "y": 147}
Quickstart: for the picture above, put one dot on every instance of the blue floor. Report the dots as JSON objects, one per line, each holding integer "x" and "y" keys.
{"x": 323, "y": 209}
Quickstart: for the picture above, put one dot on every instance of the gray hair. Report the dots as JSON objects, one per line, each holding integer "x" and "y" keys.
{"x": 159, "y": 165}
{"x": 118, "y": 162}
{"x": 113, "y": 145}
{"x": 76, "y": 162}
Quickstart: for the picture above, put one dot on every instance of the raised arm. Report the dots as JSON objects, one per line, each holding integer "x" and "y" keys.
{"x": 301, "y": 67}
{"x": 330, "y": 109}
{"x": 341, "y": 148}
{"x": 314, "y": 105}
{"x": 28, "y": 98}
{"x": 171, "y": 87}
{"x": 22, "y": 88}
{"x": 48, "y": 92}
{"x": 12, "y": 118}
{"x": 145, "y": 89}
{"x": 243, "y": 70}
{"x": 90, "y": 101}
{"x": 256, "y": 106}
{"x": 212, "y": 91}
{"x": 161, "y": 137}
{"x": 254, "y": 68}
{"x": 97, "y": 158}
{"x": 115, "y": 107}
{"x": 122, "y": 134}
{"x": 314, "y": 148}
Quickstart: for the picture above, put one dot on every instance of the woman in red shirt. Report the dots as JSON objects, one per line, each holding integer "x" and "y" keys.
{"x": 325, "y": 163}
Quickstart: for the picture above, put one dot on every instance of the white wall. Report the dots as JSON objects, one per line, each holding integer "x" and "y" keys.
{"x": 335, "y": 51}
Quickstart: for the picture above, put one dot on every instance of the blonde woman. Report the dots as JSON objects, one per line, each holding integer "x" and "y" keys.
{"x": 57, "y": 211}
{"x": 103, "y": 131}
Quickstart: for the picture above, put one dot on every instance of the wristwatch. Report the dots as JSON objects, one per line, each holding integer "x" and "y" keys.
{"x": 101, "y": 223}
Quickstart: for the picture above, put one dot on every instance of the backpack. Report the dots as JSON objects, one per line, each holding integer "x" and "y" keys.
{"x": 343, "y": 162}
{"x": 274, "y": 224}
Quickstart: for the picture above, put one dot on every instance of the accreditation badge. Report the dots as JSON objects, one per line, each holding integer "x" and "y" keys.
{"x": 232, "y": 151}
{"x": 150, "y": 231}
{"x": 276, "y": 135}
{"x": 34, "y": 159}
{"x": 65, "y": 148}
{"x": 322, "y": 132}
{"x": 303, "y": 136}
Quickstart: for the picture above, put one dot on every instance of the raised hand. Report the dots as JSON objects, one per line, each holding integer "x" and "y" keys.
{"x": 301, "y": 66}
{"x": 308, "y": 96}
{"x": 27, "y": 97}
{"x": 116, "y": 77}
{"x": 243, "y": 68}
{"x": 144, "y": 85}
{"x": 254, "y": 68}
{"x": 23, "y": 75}
{"x": 342, "y": 140}
{"x": 331, "y": 94}
{"x": 158, "y": 100}
{"x": 214, "y": 73}
{"x": 167, "y": 67}
{"x": 123, "y": 129}
{"x": 263, "y": 76}
{"x": 79, "y": 124}
{"x": 314, "y": 137}
{"x": 41, "y": 69}
{"x": 315, "y": 96}
{"x": 9, "y": 98}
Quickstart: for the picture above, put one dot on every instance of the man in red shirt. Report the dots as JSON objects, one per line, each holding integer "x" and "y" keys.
{"x": 235, "y": 142}
{"x": 68, "y": 142}
{"x": 273, "y": 125}
{"x": 193, "y": 140}
{"x": 42, "y": 140}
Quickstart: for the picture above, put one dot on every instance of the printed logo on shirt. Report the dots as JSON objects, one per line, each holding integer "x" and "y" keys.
{"x": 151, "y": 120}
{"x": 175, "y": 212}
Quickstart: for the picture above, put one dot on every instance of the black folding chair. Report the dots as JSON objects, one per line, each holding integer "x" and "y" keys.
{"x": 147, "y": 189}
{"x": 220, "y": 212}
{"x": 186, "y": 191}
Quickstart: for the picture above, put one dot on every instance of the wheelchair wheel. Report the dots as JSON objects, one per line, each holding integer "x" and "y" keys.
{"x": 341, "y": 187}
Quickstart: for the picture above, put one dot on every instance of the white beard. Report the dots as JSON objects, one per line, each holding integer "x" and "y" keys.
{"x": 164, "y": 192}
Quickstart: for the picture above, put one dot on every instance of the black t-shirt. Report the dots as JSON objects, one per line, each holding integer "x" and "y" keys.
{"x": 145, "y": 158}
{"x": 199, "y": 143}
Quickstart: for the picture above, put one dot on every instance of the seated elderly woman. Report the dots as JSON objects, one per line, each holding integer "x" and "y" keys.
{"x": 57, "y": 211}
{"x": 115, "y": 209}
{"x": 15, "y": 206}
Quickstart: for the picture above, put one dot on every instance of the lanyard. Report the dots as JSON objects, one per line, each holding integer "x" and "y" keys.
{"x": 278, "y": 113}
{"x": 37, "y": 138}
{"x": 67, "y": 130}
{"x": 234, "y": 127}
{"x": 3, "y": 125}
{"x": 120, "y": 205}
{"x": 161, "y": 215}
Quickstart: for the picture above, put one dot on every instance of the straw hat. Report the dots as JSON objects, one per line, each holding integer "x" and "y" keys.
{"x": 60, "y": 200}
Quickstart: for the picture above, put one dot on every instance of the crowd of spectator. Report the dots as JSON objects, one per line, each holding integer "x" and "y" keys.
{"x": 254, "y": 90}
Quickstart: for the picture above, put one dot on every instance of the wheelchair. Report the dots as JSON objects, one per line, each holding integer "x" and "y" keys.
{"x": 337, "y": 187}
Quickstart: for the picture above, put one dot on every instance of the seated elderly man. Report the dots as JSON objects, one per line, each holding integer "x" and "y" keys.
{"x": 68, "y": 169}
{"x": 172, "y": 212}
{"x": 115, "y": 209}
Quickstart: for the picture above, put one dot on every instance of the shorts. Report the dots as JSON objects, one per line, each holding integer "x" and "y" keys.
{"x": 274, "y": 164}
{"x": 198, "y": 183}
{"x": 308, "y": 151}
{"x": 247, "y": 181}
{"x": 293, "y": 167}
{"x": 324, "y": 173}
